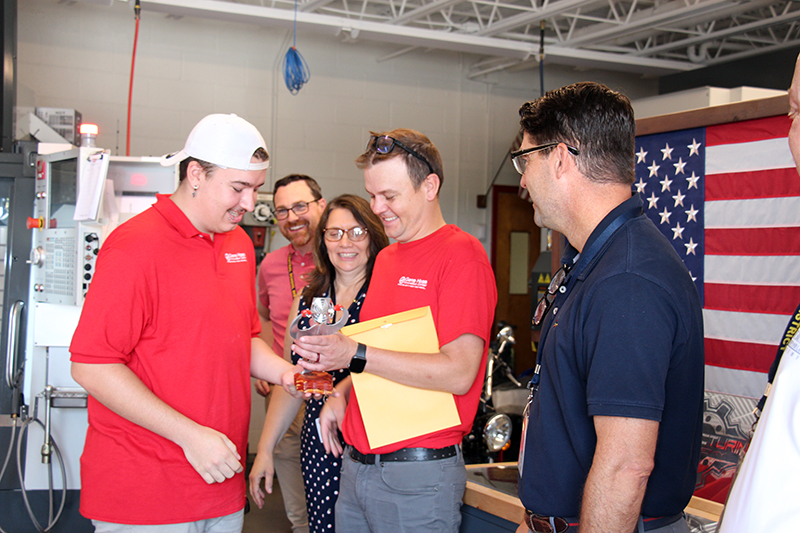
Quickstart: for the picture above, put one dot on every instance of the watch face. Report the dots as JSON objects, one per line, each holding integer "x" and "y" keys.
{"x": 359, "y": 360}
{"x": 357, "y": 364}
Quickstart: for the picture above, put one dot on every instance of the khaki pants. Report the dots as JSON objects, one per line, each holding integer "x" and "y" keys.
{"x": 286, "y": 459}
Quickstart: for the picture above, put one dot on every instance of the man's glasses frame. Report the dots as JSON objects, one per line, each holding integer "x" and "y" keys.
{"x": 355, "y": 234}
{"x": 547, "y": 298}
{"x": 384, "y": 144}
{"x": 300, "y": 208}
{"x": 520, "y": 163}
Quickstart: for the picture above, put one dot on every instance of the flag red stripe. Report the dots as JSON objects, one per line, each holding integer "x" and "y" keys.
{"x": 739, "y": 355}
{"x": 774, "y": 183}
{"x": 748, "y": 131}
{"x": 753, "y": 241}
{"x": 781, "y": 299}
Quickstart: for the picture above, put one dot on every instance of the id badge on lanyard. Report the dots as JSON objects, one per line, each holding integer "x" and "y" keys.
{"x": 525, "y": 416}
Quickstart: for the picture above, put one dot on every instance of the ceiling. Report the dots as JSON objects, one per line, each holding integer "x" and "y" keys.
{"x": 651, "y": 37}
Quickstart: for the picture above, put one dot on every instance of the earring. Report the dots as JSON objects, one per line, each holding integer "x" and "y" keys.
{"x": 194, "y": 193}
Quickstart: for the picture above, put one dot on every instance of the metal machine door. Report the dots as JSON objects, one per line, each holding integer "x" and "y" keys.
{"x": 16, "y": 204}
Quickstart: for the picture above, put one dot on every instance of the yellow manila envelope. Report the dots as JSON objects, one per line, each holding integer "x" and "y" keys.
{"x": 391, "y": 411}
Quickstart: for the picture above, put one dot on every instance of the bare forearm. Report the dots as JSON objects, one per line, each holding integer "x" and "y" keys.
{"x": 451, "y": 370}
{"x": 621, "y": 466}
{"x": 426, "y": 371}
{"x": 264, "y": 364}
{"x": 611, "y": 502}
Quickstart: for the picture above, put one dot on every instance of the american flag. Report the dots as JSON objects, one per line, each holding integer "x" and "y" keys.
{"x": 728, "y": 198}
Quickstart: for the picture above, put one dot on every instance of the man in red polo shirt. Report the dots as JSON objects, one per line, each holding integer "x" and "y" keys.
{"x": 164, "y": 347}
{"x": 415, "y": 485}
{"x": 282, "y": 276}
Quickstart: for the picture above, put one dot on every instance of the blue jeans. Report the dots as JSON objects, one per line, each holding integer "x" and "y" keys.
{"x": 398, "y": 497}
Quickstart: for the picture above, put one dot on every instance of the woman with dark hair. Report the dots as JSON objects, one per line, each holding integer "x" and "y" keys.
{"x": 348, "y": 237}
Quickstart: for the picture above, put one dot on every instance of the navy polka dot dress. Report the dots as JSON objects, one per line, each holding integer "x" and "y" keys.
{"x": 320, "y": 470}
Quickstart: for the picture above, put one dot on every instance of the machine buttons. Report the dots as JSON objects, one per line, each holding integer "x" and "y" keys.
{"x": 37, "y": 257}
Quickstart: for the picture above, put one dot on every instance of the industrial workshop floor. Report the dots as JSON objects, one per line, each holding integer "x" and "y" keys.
{"x": 270, "y": 519}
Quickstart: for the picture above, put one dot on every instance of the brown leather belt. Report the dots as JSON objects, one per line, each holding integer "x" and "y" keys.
{"x": 556, "y": 524}
{"x": 545, "y": 524}
{"x": 403, "y": 455}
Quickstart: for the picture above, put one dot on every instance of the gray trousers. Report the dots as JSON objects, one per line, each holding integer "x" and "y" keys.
{"x": 399, "y": 497}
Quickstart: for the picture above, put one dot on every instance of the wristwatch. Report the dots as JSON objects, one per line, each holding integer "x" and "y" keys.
{"x": 359, "y": 360}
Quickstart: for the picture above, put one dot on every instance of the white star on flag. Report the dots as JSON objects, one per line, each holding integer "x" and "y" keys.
{"x": 653, "y": 201}
{"x": 690, "y": 246}
{"x": 677, "y": 231}
{"x": 678, "y": 199}
{"x": 679, "y": 166}
{"x": 693, "y": 180}
{"x": 667, "y": 151}
{"x": 691, "y": 214}
{"x": 694, "y": 148}
{"x": 665, "y": 216}
{"x": 665, "y": 183}
{"x": 640, "y": 155}
{"x": 640, "y": 185}
{"x": 653, "y": 169}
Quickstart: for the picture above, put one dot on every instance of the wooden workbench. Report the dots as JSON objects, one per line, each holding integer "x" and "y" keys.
{"x": 498, "y": 501}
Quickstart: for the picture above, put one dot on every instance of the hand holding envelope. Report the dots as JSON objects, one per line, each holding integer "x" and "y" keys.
{"x": 391, "y": 411}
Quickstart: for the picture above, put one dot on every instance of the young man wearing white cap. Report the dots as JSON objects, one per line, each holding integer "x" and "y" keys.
{"x": 164, "y": 347}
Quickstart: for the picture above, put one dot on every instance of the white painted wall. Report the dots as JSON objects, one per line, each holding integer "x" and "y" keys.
{"x": 78, "y": 56}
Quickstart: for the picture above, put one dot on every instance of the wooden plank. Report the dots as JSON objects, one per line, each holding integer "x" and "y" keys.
{"x": 709, "y": 116}
{"x": 704, "y": 508}
{"x": 494, "y": 502}
{"x": 510, "y": 507}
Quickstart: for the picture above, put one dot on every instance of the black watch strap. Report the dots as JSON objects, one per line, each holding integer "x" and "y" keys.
{"x": 359, "y": 360}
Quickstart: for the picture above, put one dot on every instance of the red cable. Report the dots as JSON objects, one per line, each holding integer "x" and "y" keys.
{"x": 130, "y": 89}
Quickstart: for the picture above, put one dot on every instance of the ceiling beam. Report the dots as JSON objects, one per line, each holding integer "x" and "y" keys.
{"x": 552, "y": 9}
{"x": 311, "y": 5}
{"x": 727, "y": 13}
{"x": 423, "y": 11}
{"x": 721, "y": 34}
{"x": 673, "y": 13}
{"x": 410, "y": 36}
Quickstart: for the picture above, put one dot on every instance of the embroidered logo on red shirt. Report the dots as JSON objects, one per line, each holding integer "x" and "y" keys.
{"x": 236, "y": 258}
{"x": 412, "y": 283}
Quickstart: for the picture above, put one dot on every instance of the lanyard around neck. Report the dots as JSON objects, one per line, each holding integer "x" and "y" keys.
{"x": 583, "y": 260}
{"x": 291, "y": 276}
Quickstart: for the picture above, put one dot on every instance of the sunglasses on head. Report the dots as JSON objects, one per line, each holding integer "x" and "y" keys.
{"x": 383, "y": 144}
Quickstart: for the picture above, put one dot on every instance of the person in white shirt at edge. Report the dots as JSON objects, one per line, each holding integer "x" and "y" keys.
{"x": 764, "y": 494}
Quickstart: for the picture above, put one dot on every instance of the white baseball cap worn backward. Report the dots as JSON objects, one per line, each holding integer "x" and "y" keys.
{"x": 227, "y": 141}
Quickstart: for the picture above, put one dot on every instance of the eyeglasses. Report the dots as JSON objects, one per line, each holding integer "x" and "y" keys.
{"x": 520, "y": 163}
{"x": 355, "y": 234}
{"x": 299, "y": 208}
{"x": 384, "y": 144}
{"x": 547, "y": 299}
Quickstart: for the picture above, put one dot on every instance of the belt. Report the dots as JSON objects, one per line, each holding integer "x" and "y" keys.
{"x": 403, "y": 455}
{"x": 555, "y": 524}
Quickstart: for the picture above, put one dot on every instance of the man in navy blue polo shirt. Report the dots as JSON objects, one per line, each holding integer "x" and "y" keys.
{"x": 614, "y": 426}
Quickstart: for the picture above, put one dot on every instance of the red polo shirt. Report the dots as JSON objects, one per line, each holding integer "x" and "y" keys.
{"x": 179, "y": 310}
{"x": 275, "y": 287}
